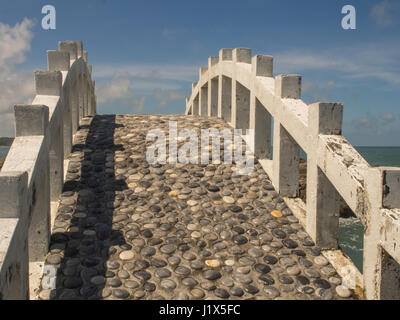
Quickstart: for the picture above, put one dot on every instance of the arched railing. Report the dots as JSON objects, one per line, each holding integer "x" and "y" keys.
{"x": 242, "y": 90}
{"x": 32, "y": 175}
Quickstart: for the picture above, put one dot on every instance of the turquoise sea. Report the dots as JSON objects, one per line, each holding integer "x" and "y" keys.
{"x": 3, "y": 151}
{"x": 350, "y": 230}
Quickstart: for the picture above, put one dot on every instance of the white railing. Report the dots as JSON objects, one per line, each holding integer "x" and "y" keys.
{"x": 32, "y": 175}
{"x": 242, "y": 90}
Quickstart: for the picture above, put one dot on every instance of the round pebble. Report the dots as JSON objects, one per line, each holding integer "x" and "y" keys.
{"x": 343, "y": 291}
{"x": 211, "y": 274}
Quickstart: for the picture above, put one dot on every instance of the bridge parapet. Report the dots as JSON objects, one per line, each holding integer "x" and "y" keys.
{"x": 242, "y": 90}
{"x": 32, "y": 176}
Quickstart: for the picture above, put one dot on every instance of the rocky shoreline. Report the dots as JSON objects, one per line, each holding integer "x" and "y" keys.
{"x": 345, "y": 211}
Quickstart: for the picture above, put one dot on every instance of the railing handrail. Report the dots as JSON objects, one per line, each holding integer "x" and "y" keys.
{"x": 32, "y": 174}
{"x": 333, "y": 164}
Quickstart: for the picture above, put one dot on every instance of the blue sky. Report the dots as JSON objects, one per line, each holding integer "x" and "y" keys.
{"x": 146, "y": 54}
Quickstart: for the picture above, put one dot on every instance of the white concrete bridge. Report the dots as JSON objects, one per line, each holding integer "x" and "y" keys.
{"x": 103, "y": 237}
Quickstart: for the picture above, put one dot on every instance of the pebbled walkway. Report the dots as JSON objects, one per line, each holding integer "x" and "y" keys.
{"x": 127, "y": 230}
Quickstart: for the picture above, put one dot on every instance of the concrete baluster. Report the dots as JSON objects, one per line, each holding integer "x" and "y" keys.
{"x": 69, "y": 46}
{"x": 225, "y": 88}
{"x": 240, "y": 118}
{"x": 14, "y": 221}
{"x": 195, "y": 107}
{"x": 79, "y": 46}
{"x": 381, "y": 270}
{"x": 203, "y": 94}
{"x": 72, "y": 48}
{"x": 285, "y": 148}
{"x": 260, "y": 118}
{"x": 92, "y": 100}
{"x": 212, "y": 90}
{"x": 33, "y": 120}
{"x": 50, "y": 83}
{"x": 60, "y": 61}
{"x": 323, "y": 200}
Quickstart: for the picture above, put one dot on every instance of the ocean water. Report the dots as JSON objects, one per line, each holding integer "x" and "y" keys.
{"x": 381, "y": 156}
{"x": 3, "y": 151}
{"x": 351, "y": 231}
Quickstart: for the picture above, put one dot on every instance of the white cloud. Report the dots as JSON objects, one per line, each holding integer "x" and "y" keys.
{"x": 138, "y": 103}
{"x": 120, "y": 89}
{"x": 319, "y": 91}
{"x": 15, "y": 87}
{"x": 115, "y": 89}
{"x": 387, "y": 117}
{"x": 165, "y": 96}
{"x": 148, "y": 71}
{"x": 373, "y": 129}
{"x": 384, "y": 13}
{"x": 378, "y": 61}
{"x": 149, "y": 86}
{"x": 132, "y": 83}
{"x": 171, "y": 33}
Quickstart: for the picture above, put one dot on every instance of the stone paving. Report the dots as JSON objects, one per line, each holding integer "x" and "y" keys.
{"x": 129, "y": 230}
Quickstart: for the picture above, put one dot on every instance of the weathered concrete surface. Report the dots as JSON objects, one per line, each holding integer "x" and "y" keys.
{"x": 129, "y": 230}
{"x": 44, "y": 133}
{"x": 335, "y": 169}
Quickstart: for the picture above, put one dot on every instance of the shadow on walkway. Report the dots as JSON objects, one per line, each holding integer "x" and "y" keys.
{"x": 89, "y": 233}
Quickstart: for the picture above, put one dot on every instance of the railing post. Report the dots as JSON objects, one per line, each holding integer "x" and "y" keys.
{"x": 391, "y": 190}
{"x": 323, "y": 200}
{"x": 93, "y": 100}
{"x": 212, "y": 90}
{"x": 69, "y": 46}
{"x": 85, "y": 95}
{"x": 60, "y": 61}
{"x": 33, "y": 120}
{"x": 285, "y": 148}
{"x": 225, "y": 89}
{"x": 80, "y": 98}
{"x": 79, "y": 46}
{"x": 72, "y": 48}
{"x": 260, "y": 118}
{"x": 14, "y": 220}
{"x": 381, "y": 271}
{"x": 372, "y": 254}
{"x": 240, "y": 95}
{"x": 74, "y": 102}
{"x": 203, "y": 94}
{"x": 262, "y": 65}
{"x": 50, "y": 83}
{"x": 94, "y": 103}
{"x": 390, "y": 259}
{"x": 196, "y": 106}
